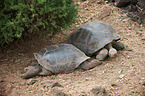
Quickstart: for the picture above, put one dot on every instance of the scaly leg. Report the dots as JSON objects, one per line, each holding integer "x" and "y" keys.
{"x": 91, "y": 63}
{"x": 102, "y": 54}
{"x": 112, "y": 51}
{"x": 118, "y": 45}
{"x": 45, "y": 72}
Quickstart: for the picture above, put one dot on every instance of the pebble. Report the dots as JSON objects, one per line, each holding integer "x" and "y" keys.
{"x": 121, "y": 76}
{"x": 83, "y": 93}
{"x": 119, "y": 71}
{"x": 31, "y": 81}
{"x": 56, "y": 84}
{"x": 114, "y": 85}
{"x": 143, "y": 84}
{"x": 143, "y": 93}
{"x": 99, "y": 91}
{"x": 57, "y": 92}
{"x": 86, "y": 79}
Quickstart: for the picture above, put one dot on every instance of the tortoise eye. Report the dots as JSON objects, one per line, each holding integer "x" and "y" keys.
{"x": 25, "y": 69}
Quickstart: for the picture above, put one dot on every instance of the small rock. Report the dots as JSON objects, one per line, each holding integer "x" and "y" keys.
{"x": 143, "y": 84}
{"x": 119, "y": 71}
{"x": 83, "y": 0}
{"x": 56, "y": 84}
{"x": 57, "y": 92}
{"x": 83, "y": 93}
{"x": 121, "y": 76}
{"x": 99, "y": 91}
{"x": 101, "y": 2}
{"x": 143, "y": 93}
{"x": 143, "y": 39}
{"x": 113, "y": 85}
{"x": 86, "y": 79}
{"x": 31, "y": 81}
{"x": 1, "y": 81}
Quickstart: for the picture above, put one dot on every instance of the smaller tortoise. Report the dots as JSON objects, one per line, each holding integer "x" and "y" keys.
{"x": 61, "y": 58}
{"x": 123, "y": 3}
{"x": 96, "y": 38}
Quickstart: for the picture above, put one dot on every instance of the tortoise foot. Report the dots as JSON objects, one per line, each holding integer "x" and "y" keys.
{"x": 118, "y": 45}
{"x": 45, "y": 72}
{"x": 91, "y": 63}
{"x": 112, "y": 52}
{"x": 102, "y": 54}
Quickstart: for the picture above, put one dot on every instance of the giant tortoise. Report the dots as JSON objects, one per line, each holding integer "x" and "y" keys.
{"x": 96, "y": 38}
{"x": 60, "y": 58}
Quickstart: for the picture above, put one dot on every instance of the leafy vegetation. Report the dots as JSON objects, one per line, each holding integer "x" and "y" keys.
{"x": 19, "y": 17}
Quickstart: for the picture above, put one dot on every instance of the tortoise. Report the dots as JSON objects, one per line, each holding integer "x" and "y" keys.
{"x": 122, "y": 3}
{"x": 96, "y": 38}
{"x": 60, "y": 58}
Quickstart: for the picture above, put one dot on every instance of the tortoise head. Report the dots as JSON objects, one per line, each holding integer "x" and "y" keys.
{"x": 32, "y": 70}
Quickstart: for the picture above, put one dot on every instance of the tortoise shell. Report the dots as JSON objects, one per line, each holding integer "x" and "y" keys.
{"x": 60, "y": 58}
{"x": 92, "y": 36}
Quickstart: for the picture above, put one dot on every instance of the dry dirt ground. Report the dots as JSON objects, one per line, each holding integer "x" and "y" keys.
{"x": 123, "y": 75}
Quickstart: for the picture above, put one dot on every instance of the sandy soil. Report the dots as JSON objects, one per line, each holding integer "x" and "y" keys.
{"x": 123, "y": 75}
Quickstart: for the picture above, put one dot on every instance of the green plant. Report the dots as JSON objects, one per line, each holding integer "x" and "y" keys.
{"x": 20, "y": 17}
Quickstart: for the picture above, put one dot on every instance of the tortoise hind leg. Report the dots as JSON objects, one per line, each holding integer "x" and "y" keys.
{"x": 45, "y": 72}
{"x": 102, "y": 54}
{"x": 112, "y": 51}
{"x": 90, "y": 63}
{"x": 118, "y": 45}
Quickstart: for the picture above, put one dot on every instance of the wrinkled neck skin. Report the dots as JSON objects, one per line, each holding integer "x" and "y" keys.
{"x": 32, "y": 71}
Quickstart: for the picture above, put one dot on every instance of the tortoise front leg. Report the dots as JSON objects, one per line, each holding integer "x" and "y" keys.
{"x": 118, "y": 45}
{"x": 45, "y": 72}
{"x": 90, "y": 63}
{"x": 112, "y": 51}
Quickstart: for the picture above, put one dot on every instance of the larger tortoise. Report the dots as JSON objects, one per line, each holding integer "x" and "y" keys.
{"x": 61, "y": 58}
{"x": 96, "y": 37}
